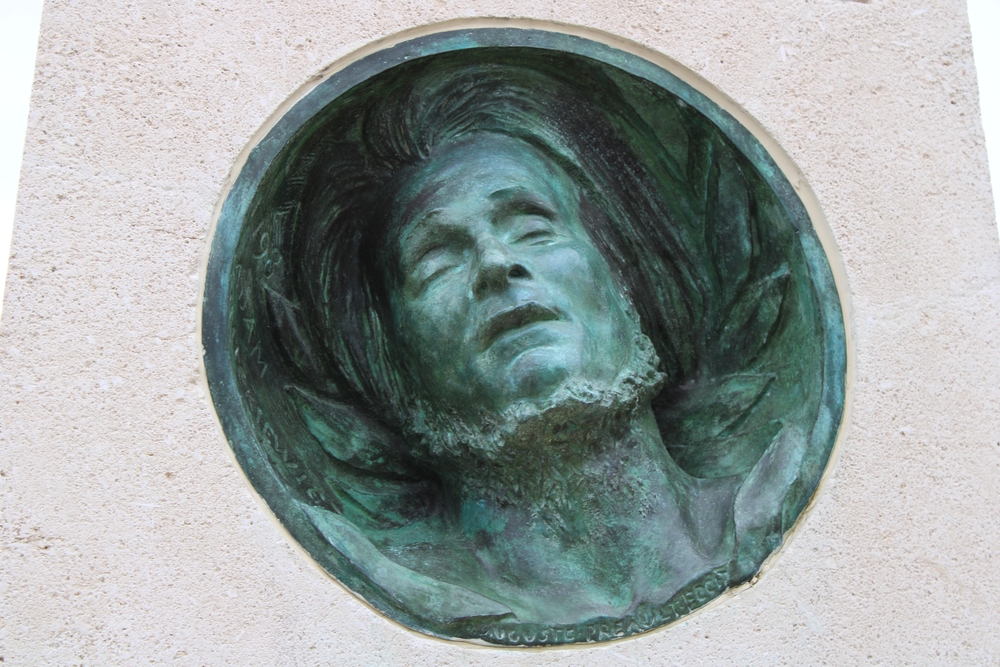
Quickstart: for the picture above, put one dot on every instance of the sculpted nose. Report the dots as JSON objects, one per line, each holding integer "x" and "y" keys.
{"x": 497, "y": 266}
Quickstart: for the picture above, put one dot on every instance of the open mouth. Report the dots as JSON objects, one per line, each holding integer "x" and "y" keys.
{"x": 515, "y": 318}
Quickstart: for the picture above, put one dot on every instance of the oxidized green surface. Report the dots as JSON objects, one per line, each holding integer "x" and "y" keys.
{"x": 523, "y": 339}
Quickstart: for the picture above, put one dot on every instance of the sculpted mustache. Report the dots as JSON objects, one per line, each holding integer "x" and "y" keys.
{"x": 514, "y": 318}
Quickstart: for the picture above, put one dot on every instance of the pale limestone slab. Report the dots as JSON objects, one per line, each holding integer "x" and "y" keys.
{"x": 128, "y": 534}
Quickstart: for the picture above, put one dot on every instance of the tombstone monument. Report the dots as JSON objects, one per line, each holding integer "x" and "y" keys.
{"x": 440, "y": 333}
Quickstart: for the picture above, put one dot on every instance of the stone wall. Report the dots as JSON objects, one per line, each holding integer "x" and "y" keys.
{"x": 128, "y": 534}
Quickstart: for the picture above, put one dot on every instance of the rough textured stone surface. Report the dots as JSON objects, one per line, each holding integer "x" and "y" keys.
{"x": 127, "y": 533}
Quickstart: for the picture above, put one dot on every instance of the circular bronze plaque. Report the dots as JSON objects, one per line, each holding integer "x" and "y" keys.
{"x": 524, "y": 339}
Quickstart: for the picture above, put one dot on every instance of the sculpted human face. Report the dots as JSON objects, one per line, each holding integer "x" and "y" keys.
{"x": 503, "y": 296}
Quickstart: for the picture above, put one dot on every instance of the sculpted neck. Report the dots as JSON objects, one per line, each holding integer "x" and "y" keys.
{"x": 564, "y": 477}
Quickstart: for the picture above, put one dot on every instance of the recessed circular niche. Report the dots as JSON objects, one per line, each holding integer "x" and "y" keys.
{"x": 524, "y": 339}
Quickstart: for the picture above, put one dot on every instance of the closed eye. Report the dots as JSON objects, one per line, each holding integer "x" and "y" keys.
{"x": 435, "y": 274}
{"x": 529, "y": 230}
{"x": 435, "y": 263}
{"x": 427, "y": 253}
{"x": 537, "y": 237}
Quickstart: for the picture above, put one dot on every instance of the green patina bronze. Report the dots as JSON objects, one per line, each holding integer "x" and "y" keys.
{"x": 523, "y": 339}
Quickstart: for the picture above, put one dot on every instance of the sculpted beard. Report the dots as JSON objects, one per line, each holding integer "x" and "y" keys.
{"x": 592, "y": 415}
